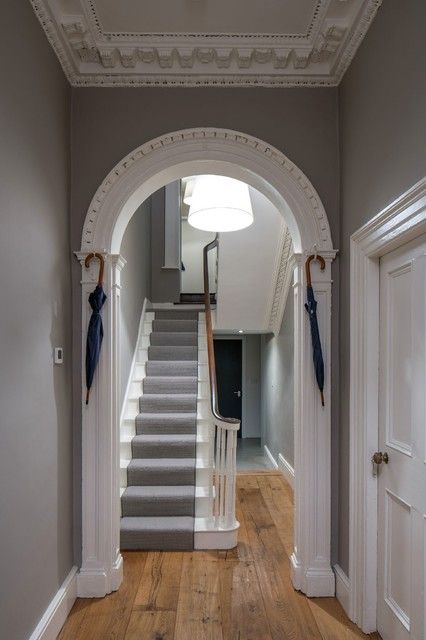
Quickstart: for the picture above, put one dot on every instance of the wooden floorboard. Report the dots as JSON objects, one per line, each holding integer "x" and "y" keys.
{"x": 241, "y": 594}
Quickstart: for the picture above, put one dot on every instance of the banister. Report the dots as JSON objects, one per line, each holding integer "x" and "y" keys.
{"x": 231, "y": 423}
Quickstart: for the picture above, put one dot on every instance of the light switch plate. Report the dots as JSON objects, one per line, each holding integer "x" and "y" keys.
{"x": 59, "y": 355}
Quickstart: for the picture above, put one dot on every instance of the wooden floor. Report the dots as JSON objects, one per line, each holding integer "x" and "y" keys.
{"x": 243, "y": 594}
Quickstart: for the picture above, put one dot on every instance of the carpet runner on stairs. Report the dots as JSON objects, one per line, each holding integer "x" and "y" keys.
{"x": 158, "y": 505}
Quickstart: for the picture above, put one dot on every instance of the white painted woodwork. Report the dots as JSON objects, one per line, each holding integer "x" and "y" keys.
{"x": 399, "y": 223}
{"x": 402, "y": 426}
{"x": 135, "y": 178}
{"x": 175, "y": 42}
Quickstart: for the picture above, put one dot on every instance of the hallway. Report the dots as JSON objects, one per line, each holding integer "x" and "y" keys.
{"x": 243, "y": 594}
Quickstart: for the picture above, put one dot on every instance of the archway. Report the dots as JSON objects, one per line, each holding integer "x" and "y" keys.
{"x": 135, "y": 178}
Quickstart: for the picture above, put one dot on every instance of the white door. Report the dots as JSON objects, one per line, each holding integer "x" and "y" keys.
{"x": 402, "y": 482}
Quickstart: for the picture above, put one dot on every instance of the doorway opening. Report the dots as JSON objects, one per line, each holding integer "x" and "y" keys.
{"x": 137, "y": 177}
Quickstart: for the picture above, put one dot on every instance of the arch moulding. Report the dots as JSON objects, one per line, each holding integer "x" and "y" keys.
{"x": 131, "y": 181}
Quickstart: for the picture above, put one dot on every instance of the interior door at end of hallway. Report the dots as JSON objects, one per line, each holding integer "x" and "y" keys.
{"x": 228, "y": 355}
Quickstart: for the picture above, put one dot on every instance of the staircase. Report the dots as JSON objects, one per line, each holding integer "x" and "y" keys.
{"x": 158, "y": 505}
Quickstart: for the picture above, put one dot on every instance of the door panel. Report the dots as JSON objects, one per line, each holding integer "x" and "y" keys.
{"x": 228, "y": 355}
{"x": 402, "y": 482}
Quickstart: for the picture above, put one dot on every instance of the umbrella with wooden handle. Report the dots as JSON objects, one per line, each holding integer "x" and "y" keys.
{"x": 311, "y": 308}
{"x": 95, "y": 331}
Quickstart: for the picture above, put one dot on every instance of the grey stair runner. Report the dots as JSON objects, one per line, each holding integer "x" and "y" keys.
{"x": 158, "y": 505}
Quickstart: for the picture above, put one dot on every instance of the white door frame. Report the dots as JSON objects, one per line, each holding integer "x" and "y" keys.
{"x": 135, "y": 178}
{"x": 400, "y": 222}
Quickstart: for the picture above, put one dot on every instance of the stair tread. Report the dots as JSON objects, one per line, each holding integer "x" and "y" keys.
{"x": 158, "y": 523}
{"x": 167, "y": 417}
{"x": 161, "y": 463}
{"x": 164, "y": 437}
{"x": 159, "y": 491}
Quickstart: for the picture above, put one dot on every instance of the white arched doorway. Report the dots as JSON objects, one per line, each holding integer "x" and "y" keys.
{"x": 135, "y": 178}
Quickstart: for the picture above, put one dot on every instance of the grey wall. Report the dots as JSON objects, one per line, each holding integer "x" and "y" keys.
{"x": 165, "y": 283}
{"x": 383, "y": 153}
{"x": 251, "y": 373}
{"x": 135, "y": 285}
{"x": 277, "y": 375}
{"x": 107, "y": 123}
{"x": 35, "y": 395}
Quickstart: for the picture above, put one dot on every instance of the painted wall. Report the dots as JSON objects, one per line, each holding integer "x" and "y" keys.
{"x": 252, "y": 377}
{"x": 135, "y": 285}
{"x": 36, "y": 493}
{"x": 383, "y": 153}
{"x": 277, "y": 388}
{"x": 193, "y": 243}
{"x": 247, "y": 261}
{"x": 107, "y": 123}
{"x": 165, "y": 283}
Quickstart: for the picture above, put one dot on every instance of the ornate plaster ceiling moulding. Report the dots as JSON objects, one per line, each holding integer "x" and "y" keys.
{"x": 318, "y": 56}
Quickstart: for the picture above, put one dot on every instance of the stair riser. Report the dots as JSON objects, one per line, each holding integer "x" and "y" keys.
{"x": 156, "y": 507}
{"x": 176, "y": 384}
{"x": 201, "y": 508}
{"x": 173, "y": 326}
{"x": 166, "y": 368}
{"x": 200, "y": 449}
{"x": 173, "y": 540}
{"x": 172, "y": 314}
{"x": 151, "y": 450}
{"x": 158, "y": 477}
{"x": 169, "y": 404}
{"x": 152, "y": 425}
{"x": 172, "y": 353}
{"x": 179, "y": 338}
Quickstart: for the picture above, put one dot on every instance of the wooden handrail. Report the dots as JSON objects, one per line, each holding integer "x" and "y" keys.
{"x": 210, "y": 344}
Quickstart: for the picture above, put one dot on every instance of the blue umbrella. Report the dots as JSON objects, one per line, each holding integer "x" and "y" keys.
{"x": 95, "y": 331}
{"x": 311, "y": 308}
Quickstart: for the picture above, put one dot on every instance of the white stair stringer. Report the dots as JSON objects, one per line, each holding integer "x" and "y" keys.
{"x": 130, "y": 407}
{"x": 207, "y": 533}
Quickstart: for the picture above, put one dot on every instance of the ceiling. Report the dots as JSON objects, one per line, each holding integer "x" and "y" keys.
{"x": 205, "y": 42}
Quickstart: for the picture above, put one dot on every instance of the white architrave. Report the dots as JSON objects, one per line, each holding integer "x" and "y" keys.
{"x": 102, "y": 567}
{"x": 400, "y": 222}
{"x": 135, "y": 178}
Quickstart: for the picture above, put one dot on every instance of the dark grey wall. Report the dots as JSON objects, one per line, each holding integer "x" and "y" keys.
{"x": 277, "y": 396}
{"x": 35, "y": 395}
{"x": 135, "y": 285}
{"x": 107, "y": 123}
{"x": 165, "y": 283}
{"x": 383, "y": 153}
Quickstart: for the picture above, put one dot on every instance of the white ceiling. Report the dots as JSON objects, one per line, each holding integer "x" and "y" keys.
{"x": 247, "y": 272}
{"x": 205, "y": 42}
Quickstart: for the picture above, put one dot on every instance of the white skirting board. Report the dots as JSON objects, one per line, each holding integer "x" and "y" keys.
{"x": 342, "y": 588}
{"x": 282, "y": 464}
{"x": 270, "y": 456}
{"x": 57, "y": 612}
{"x": 287, "y": 469}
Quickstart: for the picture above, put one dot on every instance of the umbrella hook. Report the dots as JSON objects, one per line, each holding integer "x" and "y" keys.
{"x": 101, "y": 259}
{"x": 315, "y": 258}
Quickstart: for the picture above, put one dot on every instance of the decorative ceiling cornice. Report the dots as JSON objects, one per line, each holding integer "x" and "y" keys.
{"x": 91, "y": 56}
{"x": 281, "y": 279}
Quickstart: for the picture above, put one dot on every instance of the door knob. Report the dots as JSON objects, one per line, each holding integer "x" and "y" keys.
{"x": 380, "y": 457}
{"x": 238, "y": 393}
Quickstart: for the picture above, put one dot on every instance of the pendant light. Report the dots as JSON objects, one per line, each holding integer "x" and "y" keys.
{"x": 220, "y": 204}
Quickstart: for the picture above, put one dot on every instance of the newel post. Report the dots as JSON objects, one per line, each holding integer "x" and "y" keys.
{"x": 311, "y": 561}
{"x": 101, "y": 568}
